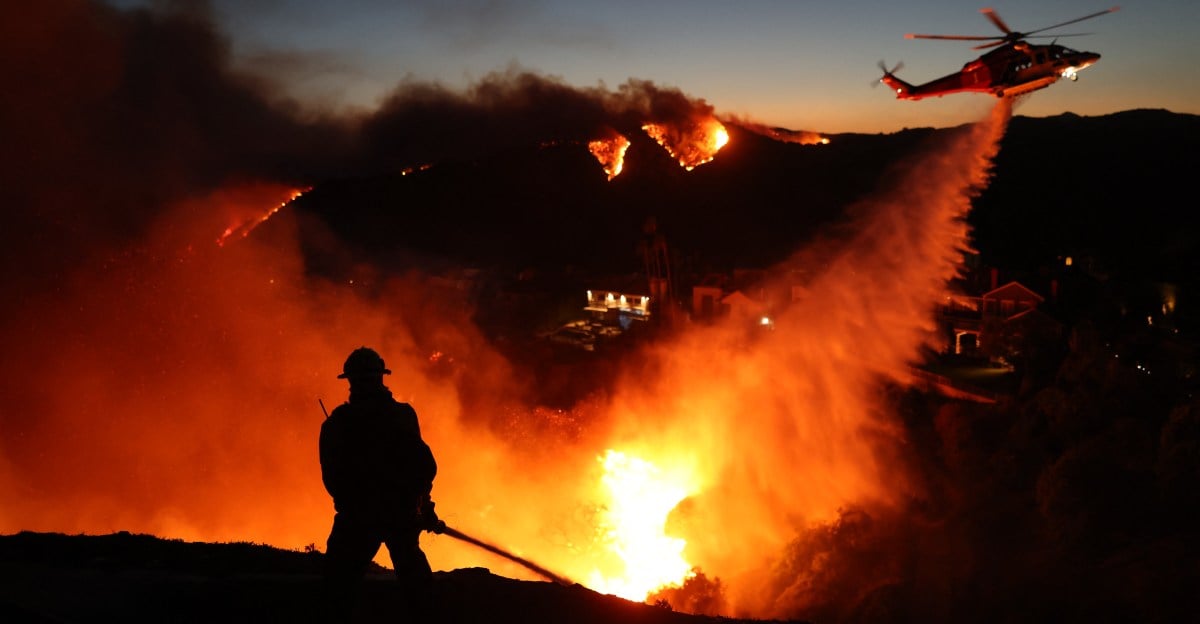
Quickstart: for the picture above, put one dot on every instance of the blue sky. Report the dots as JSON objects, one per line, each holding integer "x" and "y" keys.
{"x": 800, "y": 64}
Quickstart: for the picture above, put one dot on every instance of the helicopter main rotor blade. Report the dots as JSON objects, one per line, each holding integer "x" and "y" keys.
{"x": 989, "y": 45}
{"x": 991, "y": 15}
{"x": 1009, "y": 34}
{"x": 1056, "y": 36}
{"x": 954, "y": 37}
{"x": 1078, "y": 19}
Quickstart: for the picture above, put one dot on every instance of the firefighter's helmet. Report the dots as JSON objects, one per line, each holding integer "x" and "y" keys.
{"x": 363, "y": 362}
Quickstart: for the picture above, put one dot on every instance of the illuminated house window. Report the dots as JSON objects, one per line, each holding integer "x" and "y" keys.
{"x": 625, "y": 303}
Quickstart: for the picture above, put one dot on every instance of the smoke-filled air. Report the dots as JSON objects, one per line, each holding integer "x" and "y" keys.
{"x": 165, "y": 354}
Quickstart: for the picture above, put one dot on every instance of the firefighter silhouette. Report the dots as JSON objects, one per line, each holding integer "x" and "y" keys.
{"x": 380, "y": 473}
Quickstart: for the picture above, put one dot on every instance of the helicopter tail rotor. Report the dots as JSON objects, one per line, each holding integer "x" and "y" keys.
{"x": 887, "y": 73}
{"x": 902, "y": 89}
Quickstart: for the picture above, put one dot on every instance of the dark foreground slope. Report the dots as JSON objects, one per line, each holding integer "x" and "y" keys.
{"x": 139, "y": 578}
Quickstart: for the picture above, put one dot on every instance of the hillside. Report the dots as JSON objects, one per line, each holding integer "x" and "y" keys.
{"x": 121, "y": 577}
{"x": 1104, "y": 187}
{"x": 1114, "y": 188}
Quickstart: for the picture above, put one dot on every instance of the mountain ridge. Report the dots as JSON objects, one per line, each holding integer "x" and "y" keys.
{"x": 1057, "y": 188}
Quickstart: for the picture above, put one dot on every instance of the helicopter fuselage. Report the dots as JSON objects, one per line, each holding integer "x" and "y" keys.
{"x": 1008, "y": 71}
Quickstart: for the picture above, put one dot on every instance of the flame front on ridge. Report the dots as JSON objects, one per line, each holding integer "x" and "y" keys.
{"x": 610, "y": 153}
{"x": 691, "y": 146}
{"x": 243, "y": 229}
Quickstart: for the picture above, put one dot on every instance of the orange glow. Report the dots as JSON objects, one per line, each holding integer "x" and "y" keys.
{"x": 640, "y": 496}
{"x": 799, "y": 137}
{"x": 176, "y": 393}
{"x": 411, "y": 170}
{"x": 246, "y": 225}
{"x": 610, "y": 153}
{"x": 692, "y": 145}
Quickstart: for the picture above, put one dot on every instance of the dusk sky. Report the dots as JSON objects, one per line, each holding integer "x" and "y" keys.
{"x": 800, "y": 64}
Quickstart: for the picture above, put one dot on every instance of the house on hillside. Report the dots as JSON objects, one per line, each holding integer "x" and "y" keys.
{"x": 995, "y": 323}
{"x": 620, "y": 301}
{"x": 1009, "y": 300}
{"x": 740, "y": 296}
{"x": 740, "y": 306}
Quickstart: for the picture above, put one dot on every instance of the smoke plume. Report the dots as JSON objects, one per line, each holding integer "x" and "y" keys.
{"x": 158, "y": 382}
{"x": 791, "y": 429}
{"x": 423, "y": 122}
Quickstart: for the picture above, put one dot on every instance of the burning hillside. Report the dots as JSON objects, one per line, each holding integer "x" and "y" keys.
{"x": 235, "y": 343}
{"x": 160, "y": 383}
{"x": 610, "y": 153}
{"x": 194, "y": 367}
{"x": 692, "y": 145}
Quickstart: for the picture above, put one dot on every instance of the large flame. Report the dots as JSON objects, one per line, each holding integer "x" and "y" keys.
{"x": 611, "y": 154}
{"x": 691, "y": 144}
{"x": 640, "y": 497}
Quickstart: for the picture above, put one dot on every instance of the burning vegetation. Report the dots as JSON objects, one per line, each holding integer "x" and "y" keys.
{"x": 237, "y": 345}
{"x": 693, "y": 143}
{"x": 633, "y": 521}
{"x": 158, "y": 384}
{"x": 799, "y": 137}
{"x": 610, "y": 153}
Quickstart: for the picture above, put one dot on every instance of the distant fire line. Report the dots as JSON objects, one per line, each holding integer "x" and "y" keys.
{"x": 245, "y": 228}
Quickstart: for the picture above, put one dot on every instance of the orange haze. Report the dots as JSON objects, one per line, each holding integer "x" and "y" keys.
{"x": 171, "y": 387}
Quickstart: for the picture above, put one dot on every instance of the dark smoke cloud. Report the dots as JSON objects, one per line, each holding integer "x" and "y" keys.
{"x": 427, "y": 122}
{"x": 110, "y": 115}
{"x": 157, "y": 382}
{"x": 1077, "y": 501}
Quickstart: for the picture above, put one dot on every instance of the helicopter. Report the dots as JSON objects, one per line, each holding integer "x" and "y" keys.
{"x": 1014, "y": 67}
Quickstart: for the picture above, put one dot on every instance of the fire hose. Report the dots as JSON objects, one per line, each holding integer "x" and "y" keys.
{"x": 459, "y": 535}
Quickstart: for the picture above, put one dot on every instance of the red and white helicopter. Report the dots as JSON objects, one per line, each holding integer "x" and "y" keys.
{"x": 1013, "y": 68}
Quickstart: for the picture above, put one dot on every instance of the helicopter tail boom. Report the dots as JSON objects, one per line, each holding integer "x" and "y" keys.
{"x": 902, "y": 89}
